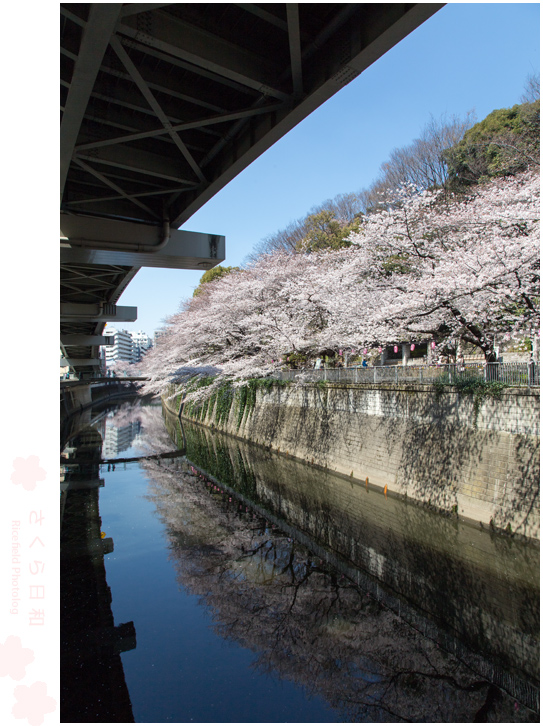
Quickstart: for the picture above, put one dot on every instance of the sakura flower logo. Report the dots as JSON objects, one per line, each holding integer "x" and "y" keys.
{"x": 33, "y": 703}
{"x": 27, "y": 472}
{"x": 14, "y": 658}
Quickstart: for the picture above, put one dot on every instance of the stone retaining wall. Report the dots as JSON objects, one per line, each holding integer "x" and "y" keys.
{"x": 481, "y": 463}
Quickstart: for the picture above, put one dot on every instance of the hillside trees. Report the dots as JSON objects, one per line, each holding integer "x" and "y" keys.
{"x": 324, "y": 231}
{"x": 505, "y": 142}
{"x": 328, "y": 225}
{"x": 429, "y": 266}
{"x": 284, "y": 240}
{"x": 423, "y": 163}
{"x": 451, "y": 153}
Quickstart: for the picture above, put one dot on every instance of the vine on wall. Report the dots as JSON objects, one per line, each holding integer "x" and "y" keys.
{"x": 476, "y": 387}
{"x": 219, "y": 403}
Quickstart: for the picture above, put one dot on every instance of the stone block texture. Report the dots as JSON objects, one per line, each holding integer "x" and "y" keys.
{"x": 441, "y": 450}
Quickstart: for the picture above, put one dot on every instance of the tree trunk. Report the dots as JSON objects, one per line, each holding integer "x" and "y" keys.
{"x": 490, "y": 355}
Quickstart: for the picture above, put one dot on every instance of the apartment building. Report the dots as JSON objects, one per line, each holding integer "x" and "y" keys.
{"x": 122, "y": 348}
{"x": 141, "y": 342}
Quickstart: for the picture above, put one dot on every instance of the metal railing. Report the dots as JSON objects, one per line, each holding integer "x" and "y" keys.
{"x": 513, "y": 374}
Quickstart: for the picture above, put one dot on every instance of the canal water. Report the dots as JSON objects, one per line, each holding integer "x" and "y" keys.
{"x": 246, "y": 587}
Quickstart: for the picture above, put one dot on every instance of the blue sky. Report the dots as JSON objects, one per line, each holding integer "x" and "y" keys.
{"x": 468, "y": 56}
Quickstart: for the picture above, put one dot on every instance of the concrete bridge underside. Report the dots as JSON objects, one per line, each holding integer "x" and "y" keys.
{"x": 162, "y": 105}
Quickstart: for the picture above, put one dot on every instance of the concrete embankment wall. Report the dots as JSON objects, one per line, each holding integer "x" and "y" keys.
{"x": 480, "y": 461}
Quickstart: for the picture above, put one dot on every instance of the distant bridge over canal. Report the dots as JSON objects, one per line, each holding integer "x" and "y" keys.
{"x": 162, "y": 105}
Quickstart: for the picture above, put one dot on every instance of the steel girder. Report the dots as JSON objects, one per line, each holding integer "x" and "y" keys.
{"x": 166, "y": 103}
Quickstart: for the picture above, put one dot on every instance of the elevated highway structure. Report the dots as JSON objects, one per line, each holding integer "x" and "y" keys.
{"x": 162, "y": 105}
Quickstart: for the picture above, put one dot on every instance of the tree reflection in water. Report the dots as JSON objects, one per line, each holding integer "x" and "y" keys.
{"x": 305, "y": 622}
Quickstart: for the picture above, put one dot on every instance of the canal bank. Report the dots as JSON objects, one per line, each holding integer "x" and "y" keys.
{"x": 460, "y": 454}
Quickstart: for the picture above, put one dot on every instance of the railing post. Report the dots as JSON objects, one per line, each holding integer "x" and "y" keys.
{"x": 528, "y": 365}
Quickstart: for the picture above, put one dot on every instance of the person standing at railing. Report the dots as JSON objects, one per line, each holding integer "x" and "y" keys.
{"x": 461, "y": 363}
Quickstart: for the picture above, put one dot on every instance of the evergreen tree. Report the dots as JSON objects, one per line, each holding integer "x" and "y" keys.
{"x": 506, "y": 142}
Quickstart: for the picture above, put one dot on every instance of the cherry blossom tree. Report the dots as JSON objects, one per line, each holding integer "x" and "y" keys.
{"x": 461, "y": 269}
{"x": 428, "y": 266}
{"x": 245, "y": 324}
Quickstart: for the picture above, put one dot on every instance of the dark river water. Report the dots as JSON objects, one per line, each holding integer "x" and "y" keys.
{"x": 234, "y": 585}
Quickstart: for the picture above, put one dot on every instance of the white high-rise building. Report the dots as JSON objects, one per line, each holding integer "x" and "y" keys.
{"x": 122, "y": 348}
{"x": 142, "y": 342}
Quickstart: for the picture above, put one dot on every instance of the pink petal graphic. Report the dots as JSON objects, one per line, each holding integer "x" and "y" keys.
{"x": 33, "y": 703}
{"x": 27, "y": 472}
{"x": 14, "y": 658}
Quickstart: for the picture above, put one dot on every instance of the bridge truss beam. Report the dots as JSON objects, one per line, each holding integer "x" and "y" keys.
{"x": 203, "y": 90}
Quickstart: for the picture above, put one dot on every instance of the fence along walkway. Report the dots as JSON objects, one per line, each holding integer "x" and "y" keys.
{"x": 513, "y": 374}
